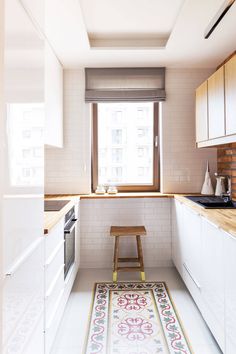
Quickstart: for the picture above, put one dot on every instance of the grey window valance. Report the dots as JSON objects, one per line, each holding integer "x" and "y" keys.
{"x": 124, "y": 84}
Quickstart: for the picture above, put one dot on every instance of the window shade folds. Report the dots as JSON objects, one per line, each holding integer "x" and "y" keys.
{"x": 124, "y": 84}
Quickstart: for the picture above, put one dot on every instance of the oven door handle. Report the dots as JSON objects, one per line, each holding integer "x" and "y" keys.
{"x": 68, "y": 231}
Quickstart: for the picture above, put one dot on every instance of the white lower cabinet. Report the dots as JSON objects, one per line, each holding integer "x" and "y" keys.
{"x": 230, "y": 293}
{"x": 54, "y": 281}
{"x": 211, "y": 260}
{"x": 205, "y": 257}
{"x": 192, "y": 249}
{"x": 57, "y": 289}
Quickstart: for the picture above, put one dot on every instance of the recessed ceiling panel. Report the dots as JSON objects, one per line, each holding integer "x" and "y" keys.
{"x": 129, "y": 23}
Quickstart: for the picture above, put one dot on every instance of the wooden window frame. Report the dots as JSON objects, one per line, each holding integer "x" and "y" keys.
{"x": 156, "y": 162}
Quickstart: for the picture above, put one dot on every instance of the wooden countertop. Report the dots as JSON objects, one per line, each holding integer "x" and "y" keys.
{"x": 118, "y": 195}
{"x": 222, "y": 218}
{"x": 51, "y": 218}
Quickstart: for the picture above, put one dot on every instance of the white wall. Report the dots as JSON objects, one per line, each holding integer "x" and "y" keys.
{"x": 98, "y": 215}
{"x": 68, "y": 169}
{"x": 182, "y": 165}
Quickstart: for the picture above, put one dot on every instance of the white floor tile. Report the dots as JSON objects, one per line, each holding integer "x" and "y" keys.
{"x": 72, "y": 332}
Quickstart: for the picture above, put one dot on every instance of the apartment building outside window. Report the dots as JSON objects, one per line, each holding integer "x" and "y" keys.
{"x": 124, "y": 150}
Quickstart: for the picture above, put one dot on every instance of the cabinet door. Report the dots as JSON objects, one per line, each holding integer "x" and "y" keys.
{"x": 201, "y": 113}
{"x": 23, "y": 303}
{"x": 177, "y": 229}
{"x": 230, "y": 96}
{"x": 211, "y": 260}
{"x": 192, "y": 273}
{"x": 53, "y": 99}
{"x": 23, "y": 178}
{"x": 216, "y": 107}
{"x": 230, "y": 292}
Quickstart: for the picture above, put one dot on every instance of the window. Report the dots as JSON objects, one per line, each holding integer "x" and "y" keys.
{"x": 123, "y": 145}
{"x": 116, "y": 136}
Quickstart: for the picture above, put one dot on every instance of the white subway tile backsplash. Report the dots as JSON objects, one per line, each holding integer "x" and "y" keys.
{"x": 67, "y": 170}
{"x": 98, "y": 215}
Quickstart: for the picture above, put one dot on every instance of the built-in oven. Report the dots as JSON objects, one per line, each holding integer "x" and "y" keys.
{"x": 69, "y": 237}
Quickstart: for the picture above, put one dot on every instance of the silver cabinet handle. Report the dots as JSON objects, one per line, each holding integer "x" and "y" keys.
{"x": 191, "y": 276}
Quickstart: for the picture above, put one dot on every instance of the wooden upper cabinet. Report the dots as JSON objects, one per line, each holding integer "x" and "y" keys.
{"x": 201, "y": 113}
{"x": 230, "y": 96}
{"x": 216, "y": 105}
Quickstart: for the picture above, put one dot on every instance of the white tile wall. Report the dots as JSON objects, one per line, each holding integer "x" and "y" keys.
{"x": 98, "y": 215}
{"x": 68, "y": 170}
{"x": 182, "y": 165}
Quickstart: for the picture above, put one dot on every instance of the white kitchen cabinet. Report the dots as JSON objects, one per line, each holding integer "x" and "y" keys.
{"x": 54, "y": 280}
{"x": 177, "y": 235}
{"x": 192, "y": 249}
{"x": 230, "y": 292}
{"x": 201, "y": 113}
{"x": 22, "y": 183}
{"x": 40, "y": 13}
{"x": 53, "y": 99}
{"x": 212, "y": 282}
{"x": 57, "y": 289}
{"x": 205, "y": 258}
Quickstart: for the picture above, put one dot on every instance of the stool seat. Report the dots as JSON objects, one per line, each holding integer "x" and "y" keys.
{"x": 127, "y": 231}
{"x": 122, "y": 231}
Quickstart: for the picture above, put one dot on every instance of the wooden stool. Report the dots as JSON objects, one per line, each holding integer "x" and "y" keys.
{"x": 137, "y": 231}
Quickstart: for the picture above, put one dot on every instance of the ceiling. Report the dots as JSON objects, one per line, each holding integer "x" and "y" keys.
{"x": 128, "y": 33}
{"x": 23, "y": 46}
{"x": 136, "y": 24}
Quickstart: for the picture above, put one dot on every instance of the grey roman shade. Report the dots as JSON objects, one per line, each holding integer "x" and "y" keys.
{"x": 124, "y": 84}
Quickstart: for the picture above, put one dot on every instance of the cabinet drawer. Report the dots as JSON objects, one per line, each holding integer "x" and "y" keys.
{"x": 53, "y": 293}
{"x": 55, "y": 236}
{"x": 54, "y": 322}
{"x": 53, "y": 264}
{"x": 193, "y": 284}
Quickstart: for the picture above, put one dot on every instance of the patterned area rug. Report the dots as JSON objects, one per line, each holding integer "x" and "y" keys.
{"x": 134, "y": 318}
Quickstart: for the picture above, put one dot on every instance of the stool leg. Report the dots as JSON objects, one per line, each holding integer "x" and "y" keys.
{"x": 140, "y": 256}
{"x": 115, "y": 260}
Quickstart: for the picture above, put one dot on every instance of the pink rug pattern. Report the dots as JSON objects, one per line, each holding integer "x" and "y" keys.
{"x": 134, "y": 318}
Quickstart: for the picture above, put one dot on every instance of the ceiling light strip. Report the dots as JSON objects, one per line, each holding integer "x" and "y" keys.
{"x": 218, "y": 18}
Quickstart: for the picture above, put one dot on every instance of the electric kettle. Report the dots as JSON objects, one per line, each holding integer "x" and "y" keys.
{"x": 220, "y": 185}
